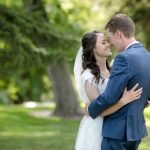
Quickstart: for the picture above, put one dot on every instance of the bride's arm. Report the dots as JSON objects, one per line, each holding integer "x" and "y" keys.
{"x": 91, "y": 91}
{"x": 128, "y": 96}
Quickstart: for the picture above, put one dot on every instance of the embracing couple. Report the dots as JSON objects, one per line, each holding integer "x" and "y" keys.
{"x": 115, "y": 97}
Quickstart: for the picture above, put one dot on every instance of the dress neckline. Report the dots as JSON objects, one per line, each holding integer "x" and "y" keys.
{"x": 104, "y": 77}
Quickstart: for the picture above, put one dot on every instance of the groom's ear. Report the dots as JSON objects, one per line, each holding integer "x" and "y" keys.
{"x": 118, "y": 33}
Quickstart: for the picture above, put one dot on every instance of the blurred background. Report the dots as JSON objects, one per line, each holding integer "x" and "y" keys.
{"x": 39, "y": 39}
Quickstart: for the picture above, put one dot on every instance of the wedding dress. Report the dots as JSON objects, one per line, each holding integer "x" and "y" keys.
{"x": 89, "y": 135}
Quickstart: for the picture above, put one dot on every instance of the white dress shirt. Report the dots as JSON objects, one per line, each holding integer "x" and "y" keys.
{"x": 131, "y": 44}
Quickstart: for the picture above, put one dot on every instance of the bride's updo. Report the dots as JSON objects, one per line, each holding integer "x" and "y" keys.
{"x": 89, "y": 61}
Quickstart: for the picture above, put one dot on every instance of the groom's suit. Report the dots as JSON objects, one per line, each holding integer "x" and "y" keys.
{"x": 127, "y": 124}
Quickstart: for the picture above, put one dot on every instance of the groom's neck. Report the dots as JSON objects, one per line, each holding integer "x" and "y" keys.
{"x": 128, "y": 41}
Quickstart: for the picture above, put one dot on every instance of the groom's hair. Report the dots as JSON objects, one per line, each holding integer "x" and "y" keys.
{"x": 123, "y": 23}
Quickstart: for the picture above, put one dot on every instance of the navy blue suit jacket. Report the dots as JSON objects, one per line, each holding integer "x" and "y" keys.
{"x": 128, "y": 123}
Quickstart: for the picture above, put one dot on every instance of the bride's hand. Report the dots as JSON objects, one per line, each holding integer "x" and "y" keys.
{"x": 131, "y": 95}
{"x": 148, "y": 101}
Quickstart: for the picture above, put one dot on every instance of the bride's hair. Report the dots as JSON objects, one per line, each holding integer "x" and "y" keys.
{"x": 89, "y": 61}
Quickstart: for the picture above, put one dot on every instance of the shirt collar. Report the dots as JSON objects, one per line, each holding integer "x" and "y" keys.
{"x": 131, "y": 44}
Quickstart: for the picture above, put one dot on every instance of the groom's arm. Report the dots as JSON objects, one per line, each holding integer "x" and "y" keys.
{"x": 119, "y": 78}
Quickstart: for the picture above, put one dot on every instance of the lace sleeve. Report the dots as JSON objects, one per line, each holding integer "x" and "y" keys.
{"x": 86, "y": 76}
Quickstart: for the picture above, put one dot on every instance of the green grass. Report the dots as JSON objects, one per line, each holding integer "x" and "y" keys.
{"x": 145, "y": 145}
{"x": 21, "y": 131}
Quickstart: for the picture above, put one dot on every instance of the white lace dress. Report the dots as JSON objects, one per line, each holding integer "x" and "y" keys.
{"x": 89, "y": 134}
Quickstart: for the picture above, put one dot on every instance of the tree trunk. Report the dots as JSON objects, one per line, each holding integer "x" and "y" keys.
{"x": 65, "y": 97}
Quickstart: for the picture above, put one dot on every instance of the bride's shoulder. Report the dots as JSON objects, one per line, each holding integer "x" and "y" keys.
{"x": 86, "y": 74}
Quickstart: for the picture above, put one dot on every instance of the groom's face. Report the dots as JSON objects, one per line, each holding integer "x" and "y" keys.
{"x": 115, "y": 40}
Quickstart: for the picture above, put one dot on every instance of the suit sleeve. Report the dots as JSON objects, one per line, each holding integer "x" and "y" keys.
{"x": 118, "y": 81}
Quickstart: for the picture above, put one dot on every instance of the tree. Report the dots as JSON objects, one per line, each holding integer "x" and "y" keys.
{"x": 35, "y": 32}
{"x": 59, "y": 73}
{"x": 138, "y": 10}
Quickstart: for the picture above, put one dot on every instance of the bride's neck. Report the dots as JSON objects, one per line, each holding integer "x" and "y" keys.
{"x": 101, "y": 62}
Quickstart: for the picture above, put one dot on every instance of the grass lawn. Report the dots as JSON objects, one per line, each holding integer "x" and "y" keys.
{"x": 21, "y": 131}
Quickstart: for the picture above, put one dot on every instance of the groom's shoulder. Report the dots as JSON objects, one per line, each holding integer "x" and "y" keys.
{"x": 121, "y": 56}
{"x": 121, "y": 60}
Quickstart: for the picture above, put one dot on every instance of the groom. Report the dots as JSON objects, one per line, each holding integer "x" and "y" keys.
{"x": 124, "y": 129}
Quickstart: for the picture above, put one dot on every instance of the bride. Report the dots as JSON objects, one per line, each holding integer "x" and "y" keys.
{"x": 92, "y": 72}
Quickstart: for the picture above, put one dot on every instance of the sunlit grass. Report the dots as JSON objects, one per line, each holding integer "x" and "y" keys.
{"x": 145, "y": 145}
{"x": 21, "y": 131}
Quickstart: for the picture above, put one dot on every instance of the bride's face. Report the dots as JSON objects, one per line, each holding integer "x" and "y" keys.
{"x": 102, "y": 47}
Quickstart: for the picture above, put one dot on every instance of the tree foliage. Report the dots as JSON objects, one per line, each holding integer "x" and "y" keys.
{"x": 37, "y": 33}
{"x": 27, "y": 43}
